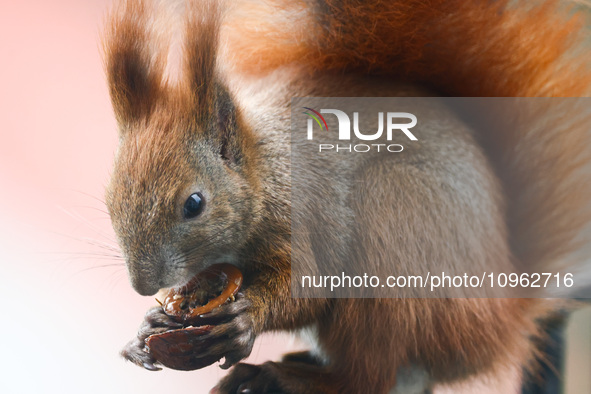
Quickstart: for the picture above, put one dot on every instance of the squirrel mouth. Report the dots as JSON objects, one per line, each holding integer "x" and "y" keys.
{"x": 206, "y": 291}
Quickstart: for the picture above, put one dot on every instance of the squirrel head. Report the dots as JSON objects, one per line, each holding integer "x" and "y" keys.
{"x": 182, "y": 195}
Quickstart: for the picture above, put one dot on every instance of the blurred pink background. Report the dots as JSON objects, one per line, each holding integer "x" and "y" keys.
{"x": 68, "y": 305}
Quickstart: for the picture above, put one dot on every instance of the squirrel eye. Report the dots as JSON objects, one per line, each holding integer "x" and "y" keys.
{"x": 193, "y": 206}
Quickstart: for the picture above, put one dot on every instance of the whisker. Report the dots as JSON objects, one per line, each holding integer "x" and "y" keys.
{"x": 100, "y": 266}
{"x": 94, "y": 209}
{"x": 86, "y": 222}
{"x": 96, "y": 254}
{"x": 115, "y": 279}
{"x": 118, "y": 267}
{"x": 87, "y": 259}
{"x": 90, "y": 260}
{"x": 87, "y": 195}
{"x": 91, "y": 241}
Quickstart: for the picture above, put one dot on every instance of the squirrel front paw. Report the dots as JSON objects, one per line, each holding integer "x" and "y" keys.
{"x": 155, "y": 322}
{"x": 233, "y": 337}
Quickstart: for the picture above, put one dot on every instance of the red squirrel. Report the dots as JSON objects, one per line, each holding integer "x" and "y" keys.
{"x": 202, "y": 175}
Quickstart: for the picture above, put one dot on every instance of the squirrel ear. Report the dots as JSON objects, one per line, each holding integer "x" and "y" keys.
{"x": 227, "y": 127}
{"x": 211, "y": 101}
{"x": 134, "y": 72}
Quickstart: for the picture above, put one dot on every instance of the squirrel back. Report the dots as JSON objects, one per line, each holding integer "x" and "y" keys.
{"x": 461, "y": 49}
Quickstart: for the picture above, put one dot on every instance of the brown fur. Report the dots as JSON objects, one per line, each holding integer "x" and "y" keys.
{"x": 134, "y": 67}
{"x": 476, "y": 49}
{"x": 200, "y": 131}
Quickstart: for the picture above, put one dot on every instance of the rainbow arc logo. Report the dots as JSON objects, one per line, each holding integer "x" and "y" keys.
{"x": 316, "y": 115}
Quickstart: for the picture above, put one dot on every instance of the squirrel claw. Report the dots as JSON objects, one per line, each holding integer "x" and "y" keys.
{"x": 151, "y": 367}
{"x": 155, "y": 322}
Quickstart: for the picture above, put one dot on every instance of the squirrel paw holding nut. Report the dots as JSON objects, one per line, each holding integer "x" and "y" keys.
{"x": 234, "y": 337}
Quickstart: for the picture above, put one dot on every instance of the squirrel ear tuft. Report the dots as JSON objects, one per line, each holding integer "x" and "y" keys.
{"x": 134, "y": 69}
{"x": 201, "y": 46}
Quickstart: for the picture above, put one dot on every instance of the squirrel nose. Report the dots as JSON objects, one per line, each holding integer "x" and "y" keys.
{"x": 145, "y": 275}
{"x": 146, "y": 291}
{"x": 144, "y": 286}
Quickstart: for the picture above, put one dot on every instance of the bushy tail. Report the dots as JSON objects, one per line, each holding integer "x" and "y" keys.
{"x": 477, "y": 48}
